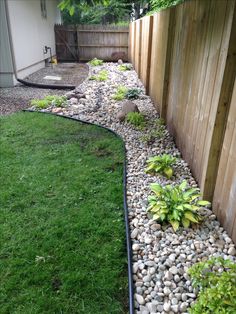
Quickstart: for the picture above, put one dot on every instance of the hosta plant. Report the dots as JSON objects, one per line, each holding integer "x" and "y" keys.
{"x": 179, "y": 205}
{"x": 101, "y": 76}
{"x": 216, "y": 280}
{"x": 161, "y": 164}
{"x": 137, "y": 119}
{"x": 133, "y": 93}
{"x": 125, "y": 67}
{"x": 120, "y": 93}
{"x": 95, "y": 62}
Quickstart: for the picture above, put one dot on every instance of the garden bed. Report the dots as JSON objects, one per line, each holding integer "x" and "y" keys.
{"x": 161, "y": 257}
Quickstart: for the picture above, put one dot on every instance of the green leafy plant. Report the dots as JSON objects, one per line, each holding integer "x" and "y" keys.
{"x": 125, "y": 67}
{"x": 136, "y": 119}
{"x": 57, "y": 101}
{"x": 102, "y": 76}
{"x": 133, "y": 93}
{"x": 153, "y": 135}
{"x": 216, "y": 279}
{"x": 95, "y": 62}
{"x": 178, "y": 205}
{"x": 120, "y": 93}
{"x": 161, "y": 164}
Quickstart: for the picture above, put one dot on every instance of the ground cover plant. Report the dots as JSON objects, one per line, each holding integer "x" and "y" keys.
{"x": 133, "y": 93}
{"x": 120, "y": 93}
{"x": 101, "y": 76}
{"x": 95, "y": 62}
{"x": 161, "y": 164}
{"x": 216, "y": 279}
{"x": 62, "y": 244}
{"x": 125, "y": 67}
{"x": 54, "y": 100}
{"x": 178, "y": 205}
{"x": 157, "y": 133}
{"x": 137, "y": 119}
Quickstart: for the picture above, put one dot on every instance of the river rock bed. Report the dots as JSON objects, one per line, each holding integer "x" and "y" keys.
{"x": 161, "y": 257}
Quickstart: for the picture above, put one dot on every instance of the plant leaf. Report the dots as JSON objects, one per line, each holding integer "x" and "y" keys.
{"x": 175, "y": 225}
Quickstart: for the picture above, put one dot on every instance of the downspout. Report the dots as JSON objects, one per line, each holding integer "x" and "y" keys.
{"x": 30, "y": 84}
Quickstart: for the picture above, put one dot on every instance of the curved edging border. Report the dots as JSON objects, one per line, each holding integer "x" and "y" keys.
{"x": 127, "y": 230}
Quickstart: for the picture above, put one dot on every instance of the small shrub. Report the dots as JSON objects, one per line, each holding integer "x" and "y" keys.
{"x": 161, "y": 164}
{"x": 57, "y": 101}
{"x": 120, "y": 93}
{"x": 153, "y": 135}
{"x": 125, "y": 67}
{"x": 216, "y": 279}
{"x": 95, "y": 62}
{"x": 178, "y": 205}
{"x": 160, "y": 122}
{"x": 136, "y": 119}
{"x": 133, "y": 93}
{"x": 101, "y": 76}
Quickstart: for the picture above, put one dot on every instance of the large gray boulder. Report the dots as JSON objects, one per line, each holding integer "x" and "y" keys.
{"x": 127, "y": 106}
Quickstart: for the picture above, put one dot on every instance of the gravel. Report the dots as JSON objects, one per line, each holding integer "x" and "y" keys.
{"x": 18, "y": 97}
{"x": 161, "y": 257}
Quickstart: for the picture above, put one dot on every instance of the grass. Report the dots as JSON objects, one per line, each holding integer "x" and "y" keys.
{"x": 62, "y": 241}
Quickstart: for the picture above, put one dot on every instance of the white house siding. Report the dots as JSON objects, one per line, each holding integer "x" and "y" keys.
{"x": 31, "y": 32}
{"x": 6, "y": 67}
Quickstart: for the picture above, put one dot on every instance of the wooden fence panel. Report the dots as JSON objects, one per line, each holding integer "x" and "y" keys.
{"x": 159, "y": 56}
{"x": 85, "y": 42}
{"x": 131, "y": 48}
{"x": 224, "y": 201}
{"x": 66, "y": 43}
{"x": 105, "y": 42}
{"x": 138, "y": 46}
{"x": 146, "y": 44}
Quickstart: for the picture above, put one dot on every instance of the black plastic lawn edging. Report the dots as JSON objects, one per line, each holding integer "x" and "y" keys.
{"x": 46, "y": 86}
{"x": 128, "y": 240}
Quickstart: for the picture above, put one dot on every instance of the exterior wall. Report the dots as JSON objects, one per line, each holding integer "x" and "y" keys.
{"x": 31, "y": 32}
{"x": 6, "y": 67}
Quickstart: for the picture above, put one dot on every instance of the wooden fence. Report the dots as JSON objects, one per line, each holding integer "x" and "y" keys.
{"x": 85, "y": 42}
{"x": 186, "y": 58}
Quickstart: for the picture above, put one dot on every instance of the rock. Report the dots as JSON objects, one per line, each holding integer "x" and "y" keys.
{"x": 155, "y": 227}
{"x": 56, "y": 110}
{"x": 127, "y": 106}
{"x": 139, "y": 299}
{"x": 134, "y": 233}
{"x": 120, "y": 61}
{"x": 118, "y": 55}
{"x": 73, "y": 101}
{"x": 167, "y": 306}
{"x": 183, "y": 307}
{"x": 173, "y": 270}
{"x": 175, "y": 308}
{"x": 232, "y": 251}
{"x": 135, "y": 247}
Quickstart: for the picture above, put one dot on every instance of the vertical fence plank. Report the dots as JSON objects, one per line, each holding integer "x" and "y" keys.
{"x": 159, "y": 57}
{"x": 146, "y": 48}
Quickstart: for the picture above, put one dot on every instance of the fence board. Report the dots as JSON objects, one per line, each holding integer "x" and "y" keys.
{"x": 138, "y": 46}
{"x": 146, "y": 44}
{"x": 224, "y": 201}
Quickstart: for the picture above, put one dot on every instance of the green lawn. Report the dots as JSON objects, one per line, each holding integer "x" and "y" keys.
{"x": 62, "y": 232}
